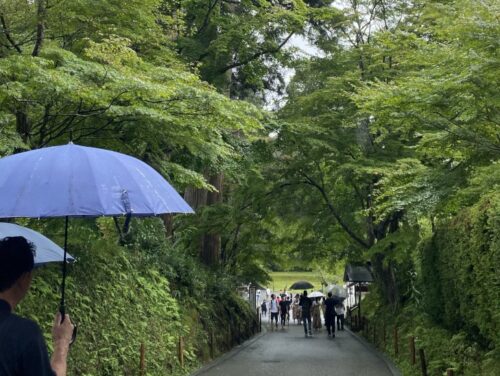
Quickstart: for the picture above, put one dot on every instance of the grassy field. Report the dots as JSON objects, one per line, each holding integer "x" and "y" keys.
{"x": 282, "y": 280}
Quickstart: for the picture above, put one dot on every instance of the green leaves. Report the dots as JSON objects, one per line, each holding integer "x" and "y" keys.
{"x": 164, "y": 108}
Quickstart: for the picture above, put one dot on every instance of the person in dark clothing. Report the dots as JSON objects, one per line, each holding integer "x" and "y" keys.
{"x": 288, "y": 306}
{"x": 283, "y": 312}
{"x": 306, "y": 303}
{"x": 264, "y": 308}
{"x": 23, "y": 351}
{"x": 330, "y": 303}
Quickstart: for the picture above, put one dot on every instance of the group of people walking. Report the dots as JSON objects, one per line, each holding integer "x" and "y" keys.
{"x": 306, "y": 311}
{"x": 278, "y": 306}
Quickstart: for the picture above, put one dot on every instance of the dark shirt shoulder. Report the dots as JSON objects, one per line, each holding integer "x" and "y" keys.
{"x": 22, "y": 348}
{"x": 330, "y": 305}
{"x": 305, "y": 303}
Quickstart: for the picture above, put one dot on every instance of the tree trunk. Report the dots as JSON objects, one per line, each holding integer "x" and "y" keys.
{"x": 211, "y": 243}
{"x": 168, "y": 223}
{"x": 386, "y": 279}
{"x": 196, "y": 198}
{"x": 23, "y": 126}
{"x": 41, "y": 14}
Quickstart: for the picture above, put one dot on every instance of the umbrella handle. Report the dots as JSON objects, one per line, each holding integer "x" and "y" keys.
{"x": 62, "y": 310}
{"x": 73, "y": 335}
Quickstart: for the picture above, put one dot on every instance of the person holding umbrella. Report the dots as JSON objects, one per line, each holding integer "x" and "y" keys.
{"x": 306, "y": 303}
{"x": 22, "y": 348}
{"x": 330, "y": 304}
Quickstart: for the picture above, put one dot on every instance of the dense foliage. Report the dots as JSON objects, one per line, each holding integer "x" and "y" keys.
{"x": 460, "y": 281}
{"x": 453, "y": 296}
{"x": 384, "y": 143}
{"x": 386, "y": 149}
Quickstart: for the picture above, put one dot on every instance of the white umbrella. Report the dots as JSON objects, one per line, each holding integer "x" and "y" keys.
{"x": 337, "y": 291}
{"x": 316, "y": 294}
{"x": 46, "y": 250}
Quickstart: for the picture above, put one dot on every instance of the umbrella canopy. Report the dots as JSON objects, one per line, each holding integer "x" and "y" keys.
{"x": 316, "y": 294}
{"x": 46, "y": 250}
{"x": 74, "y": 181}
{"x": 301, "y": 285}
{"x": 337, "y": 291}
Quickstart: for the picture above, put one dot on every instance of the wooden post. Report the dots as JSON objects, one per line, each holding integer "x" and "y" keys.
{"x": 142, "y": 362}
{"x": 423, "y": 363}
{"x": 450, "y": 372}
{"x": 359, "y": 301}
{"x": 412, "y": 350}
{"x": 180, "y": 351}
{"x": 396, "y": 341}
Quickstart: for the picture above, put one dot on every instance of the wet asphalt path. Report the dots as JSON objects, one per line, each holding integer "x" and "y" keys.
{"x": 288, "y": 353}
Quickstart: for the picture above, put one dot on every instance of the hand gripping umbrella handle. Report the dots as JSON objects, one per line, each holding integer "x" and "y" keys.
{"x": 62, "y": 310}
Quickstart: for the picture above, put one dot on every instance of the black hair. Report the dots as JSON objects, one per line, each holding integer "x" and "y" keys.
{"x": 330, "y": 294}
{"x": 17, "y": 256}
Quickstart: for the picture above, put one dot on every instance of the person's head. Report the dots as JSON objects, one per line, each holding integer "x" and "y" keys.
{"x": 305, "y": 293}
{"x": 330, "y": 294}
{"x": 17, "y": 260}
{"x": 272, "y": 296}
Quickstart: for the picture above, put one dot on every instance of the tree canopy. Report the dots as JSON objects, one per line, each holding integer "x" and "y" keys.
{"x": 386, "y": 139}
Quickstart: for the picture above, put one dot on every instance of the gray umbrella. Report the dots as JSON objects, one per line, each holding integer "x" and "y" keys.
{"x": 46, "y": 250}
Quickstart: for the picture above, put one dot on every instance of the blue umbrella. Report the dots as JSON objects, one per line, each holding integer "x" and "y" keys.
{"x": 78, "y": 181}
{"x": 46, "y": 250}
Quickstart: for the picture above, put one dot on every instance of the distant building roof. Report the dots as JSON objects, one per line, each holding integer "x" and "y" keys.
{"x": 357, "y": 273}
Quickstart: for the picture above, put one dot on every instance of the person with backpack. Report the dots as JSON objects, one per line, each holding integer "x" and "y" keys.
{"x": 274, "y": 309}
{"x": 305, "y": 304}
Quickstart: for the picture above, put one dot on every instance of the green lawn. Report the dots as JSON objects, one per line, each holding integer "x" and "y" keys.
{"x": 282, "y": 280}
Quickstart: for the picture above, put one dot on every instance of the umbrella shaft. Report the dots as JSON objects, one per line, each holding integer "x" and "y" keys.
{"x": 62, "y": 307}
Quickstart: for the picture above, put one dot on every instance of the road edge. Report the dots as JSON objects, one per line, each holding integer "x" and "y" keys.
{"x": 235, "y": 350}
{"x": 388, "y": 362}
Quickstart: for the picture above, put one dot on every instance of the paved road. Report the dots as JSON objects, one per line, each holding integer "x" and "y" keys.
{"x": 288, "y": 353}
